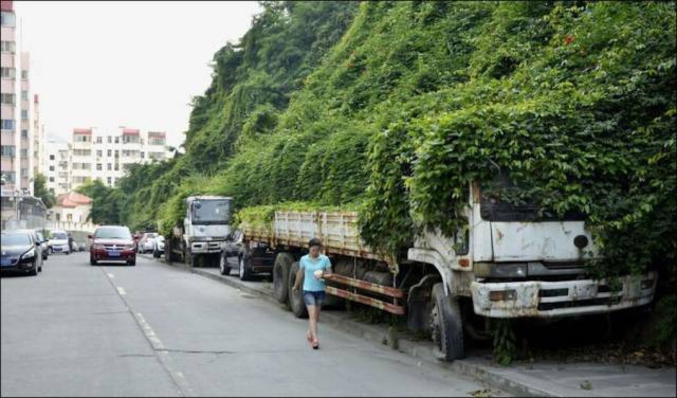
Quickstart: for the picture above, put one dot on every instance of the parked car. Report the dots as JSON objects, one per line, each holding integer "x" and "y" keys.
{"x": 44, "y": 245}
{"x": 21, "y": 252}
{"x": 112, "y": 243}
{"x": 58, "y": 243}
{"x": 147, "y": 242}
{"x": 159, "y": 247}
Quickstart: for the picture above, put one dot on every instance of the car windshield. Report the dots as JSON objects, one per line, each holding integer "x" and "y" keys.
{"x": 16, "y": 239}
{"x": 113, "y": 233}
{"x": 502, "y": 200}
{"x": 148, "y": 236}
{"x": 211, "y": 211}
{"x": 59, "y": 235}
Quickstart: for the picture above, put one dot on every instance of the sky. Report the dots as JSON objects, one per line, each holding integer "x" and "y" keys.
{"x": 132, "y": 63}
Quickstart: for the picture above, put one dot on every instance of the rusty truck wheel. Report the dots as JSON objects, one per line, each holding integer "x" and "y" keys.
{"x": 446, "y": 326}
{"x": 298, "y": 307}
{"x": 283, "y": 262}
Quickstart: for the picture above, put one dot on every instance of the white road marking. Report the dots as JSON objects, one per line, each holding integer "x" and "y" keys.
{"x": 149, "y": 332}
{"x": 111, "y": 276}
{"x": 121, "y": 291}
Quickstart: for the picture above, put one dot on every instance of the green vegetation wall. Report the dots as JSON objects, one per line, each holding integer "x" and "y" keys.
{"x": 396, "y": 106}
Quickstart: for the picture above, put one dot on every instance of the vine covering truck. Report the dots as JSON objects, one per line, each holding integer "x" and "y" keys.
{"x": 203, "y": 233}
{"x": 502, "y": 265}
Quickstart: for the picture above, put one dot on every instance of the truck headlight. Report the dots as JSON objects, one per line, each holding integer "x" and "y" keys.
{"x": 28, "y": 255}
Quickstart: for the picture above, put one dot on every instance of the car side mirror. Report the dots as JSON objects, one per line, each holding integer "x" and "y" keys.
{"x": 37, "y": 243}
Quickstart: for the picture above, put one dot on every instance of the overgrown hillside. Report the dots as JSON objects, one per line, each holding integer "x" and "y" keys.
{"x": 252, "y": 84}
{"x": 397, "y": 109}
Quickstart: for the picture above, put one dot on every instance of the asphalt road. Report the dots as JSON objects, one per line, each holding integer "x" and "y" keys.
{"x": 154, "y": 330}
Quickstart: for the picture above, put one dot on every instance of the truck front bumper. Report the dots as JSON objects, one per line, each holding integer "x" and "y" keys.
{"x": 205, "y": 247}
{"x": 557, "y": 299}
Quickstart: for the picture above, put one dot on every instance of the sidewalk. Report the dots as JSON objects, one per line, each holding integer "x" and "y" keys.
{"x": 537, "y": 379}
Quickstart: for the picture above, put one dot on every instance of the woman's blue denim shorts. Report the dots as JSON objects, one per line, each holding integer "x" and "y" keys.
{"x": 314, "y": 298}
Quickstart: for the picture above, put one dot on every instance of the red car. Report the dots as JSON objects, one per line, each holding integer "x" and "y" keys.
{"x": 112, "y": 243}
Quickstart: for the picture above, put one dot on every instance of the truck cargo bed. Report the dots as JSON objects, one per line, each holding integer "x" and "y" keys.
{"x": 337, "y": 230}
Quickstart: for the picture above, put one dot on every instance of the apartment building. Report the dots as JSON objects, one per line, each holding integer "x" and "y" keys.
{"x": 56, "y": 166}
{"x": 38, "y": 137}
{"x": 92, "y": 154}
{"x": 16, "y": 152}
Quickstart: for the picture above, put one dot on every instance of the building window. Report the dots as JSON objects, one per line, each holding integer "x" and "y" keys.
{"x": 117, "y": 153}
{"x": 51, "y": 168}
{"x": 99, "y": 153}
{"x": 117, "y": 140}
{"x": 24, "y": 154}
{"x": 110, "y": 181}
{"x": 8, "y": 73}
{"x": 8, "y": 124}
{"x": 8, "y": 19}
{"x": 110, "y": 139}
{"x": 24, "y": 172}
{"x": 8, "y": 47}
{"x": 58, "y": 217}
{"x": 110, "y": 152}
{"x": 24, "y": 95}
{"x": 81, "y": 138}
{"x": 24, "y": 133}
{"x": 117, "y": 166}
{"x": 51, "y": 157}
{"x": 99, "y": 140}
{"x": 8, "y": 150}
{"x": 24, "y": 114}
{"x": 51, "y": 179}
{"x": 7, "y": 99}
{"x": 110, "y": 166}
{"x": 82, "y": 152}
{"x": 24, "y": 74}
{"x": 99, "y": 166}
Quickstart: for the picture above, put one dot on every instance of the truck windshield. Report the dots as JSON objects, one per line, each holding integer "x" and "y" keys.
{"x": 211, "y": 212}
{"x": 503, "y": 201}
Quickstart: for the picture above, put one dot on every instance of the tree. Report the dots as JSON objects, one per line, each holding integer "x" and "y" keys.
{"x": 105, "y": 202}
{"x": 41, "y": 191}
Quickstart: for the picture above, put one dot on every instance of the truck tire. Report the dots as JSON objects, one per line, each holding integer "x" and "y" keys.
{"x": 298, "y": 307}
{"x": 224, "y": 267}
{"x": 446, "y": 326}
{"x": 244, "y": 267}
{"x": 283, "y": 262}
{"x": 168, "y": 251}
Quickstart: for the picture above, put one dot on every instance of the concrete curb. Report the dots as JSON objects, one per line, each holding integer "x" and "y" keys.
{"x": 418, "y": 350}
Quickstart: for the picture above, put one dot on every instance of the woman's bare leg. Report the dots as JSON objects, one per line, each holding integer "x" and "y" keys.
{"x": 312, "y": 319}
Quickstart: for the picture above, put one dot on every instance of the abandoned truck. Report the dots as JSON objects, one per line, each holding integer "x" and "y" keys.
{"x": 201, "y": 237}
{"x": 503, "y": 265}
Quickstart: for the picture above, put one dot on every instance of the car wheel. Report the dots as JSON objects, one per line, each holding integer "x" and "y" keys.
{"x": 132, "y": 263}
{"x": 244, "y": 268}
{"x": 223, "y": 264}
{"x": 298, "y": 307}
{"x": 446, "y": 326}
{"x": 34, "y": 270}
{"x": 92, "y": 261}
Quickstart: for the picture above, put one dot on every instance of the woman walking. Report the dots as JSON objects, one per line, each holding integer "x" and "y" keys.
{"x": 313, "y": 267}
